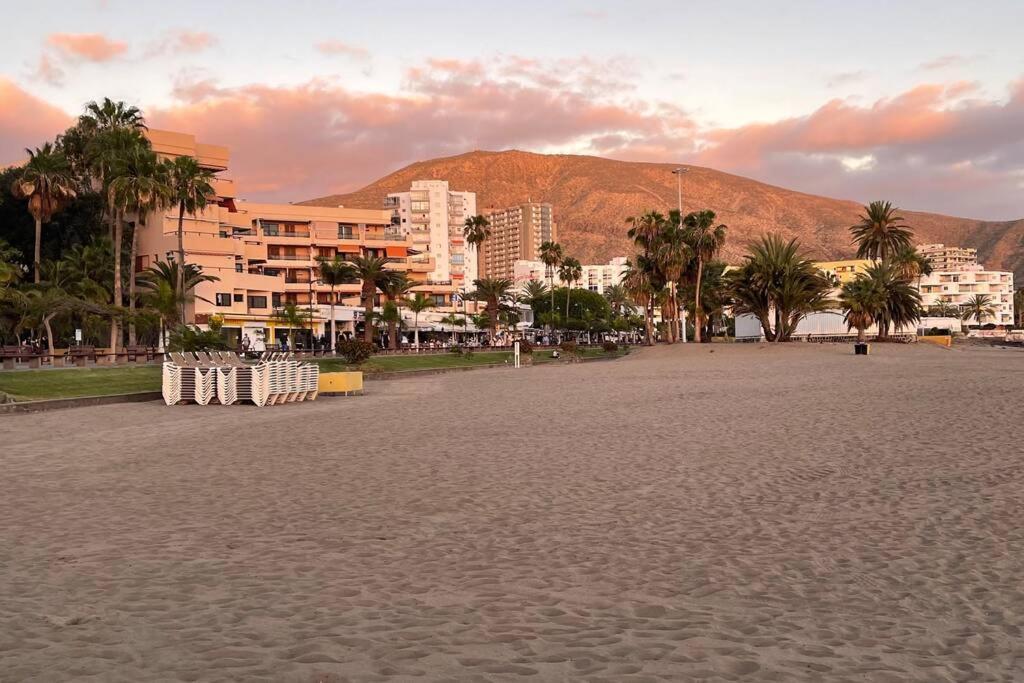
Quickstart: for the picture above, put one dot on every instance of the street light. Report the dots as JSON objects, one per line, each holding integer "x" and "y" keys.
{"x": 678, "y": 173}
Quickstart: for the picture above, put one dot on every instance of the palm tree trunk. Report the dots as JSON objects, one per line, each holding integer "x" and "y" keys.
{"x": 698, "y": 314}
{"x": 36, "y": 258}
{"x": 181, "y": 260}
{"x": 551, "y": 279}
{"x": 368, "y": 316}
{"x": 49, "y": 338}
{"x": 133, "y": 255}
{"x": 416, "y": 330}
{"x": 568, "y": 293}
{"x": 115, "y": 325}
{"x": 334, "y": 334}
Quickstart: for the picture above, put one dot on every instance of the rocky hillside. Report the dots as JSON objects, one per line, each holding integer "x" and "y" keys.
{"x": 593, "y": 196}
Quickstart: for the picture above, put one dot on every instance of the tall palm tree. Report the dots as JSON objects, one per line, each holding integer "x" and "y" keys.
{"x": 419, "y": 303}
{"x": 493, "y": 291}
{"x": 534, "y": 291}
{"x": 372, "y": 272}
{"x": 191, "y": 189}
{"x": 881, "y": 232}
{"x": 910, "y": 264}
{"x": 143, "y": 187}
{"x": 671, "y": 253}
{"x": 46, "y": 182}
{"x": 978, "y": 307}
{"x": 862, "y": 302}
{"x": 779, "y": 285}
{"x": 901, "y": 302}
{"x": 109, "y": 114}
{"x": 705, "y": 240}
{"x": 644, "y": 231}
{"x": 637, "y": 283}
{"x": 551, "y": 255}
{"x": 944, "y": 309}
{"x": 570, "y": 271}
{"x": 476, "y": 230}
{"x": 334, "y": 272}
{"x": 164, "y": 283}
{"x": 395, "y": 287}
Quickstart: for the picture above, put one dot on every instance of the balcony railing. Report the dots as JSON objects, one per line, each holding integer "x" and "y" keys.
{"x": 288, "y": 257}
{"x": 274, "y": 232}
{"x": 387, "y": 235}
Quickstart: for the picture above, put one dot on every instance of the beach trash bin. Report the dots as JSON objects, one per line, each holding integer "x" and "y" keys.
{"x": 861, "y": 348}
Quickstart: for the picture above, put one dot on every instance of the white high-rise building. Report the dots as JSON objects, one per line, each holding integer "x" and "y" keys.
{"x": 434, "y": 217}
{"x": 596, "y": 277}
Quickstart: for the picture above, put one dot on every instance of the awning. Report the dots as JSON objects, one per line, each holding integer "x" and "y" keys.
{"x": 348, "y": 248}
{"x": 396, "y": 252}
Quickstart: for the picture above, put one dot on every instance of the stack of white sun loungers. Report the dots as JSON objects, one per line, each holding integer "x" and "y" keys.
{"x": 223, "y": 377}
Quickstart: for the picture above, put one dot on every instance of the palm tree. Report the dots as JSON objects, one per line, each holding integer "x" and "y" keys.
{"x": 901, "y": 303}
{"x": 551, "y": 255}
{"x": 142, "y": 187}
{"x": 618, "y": 299}
{"x": 493, "y": 291}
{"x": 978, "y": 307}
{"x": 395, "y": 287}
{"x": 671, "y": 254}
{"x": 637, "y": 283}
{"x": 191, "y": 189}
{"x": 644, "y": 231}
{"x": 476, "y": 230}
{"x": 372, "y": 272}
{"x": 293, "y": 317}
{"x": 10, "y": 272}
{"x": 705, "y": 240}
{"x": 881, "y": 232}
{"x": 944, "y": 309}
{"x": 714, "y": 294}
{"x": 862, "y": 302}
{"x": 569, "y": 271}
{"x": 334, "y": 272}
{"x": 910, "y": 264}
{"x": 168, "y": 287}
{"x": 109, "y": 114}
{"x": 454, "y": 320}
{"x": 46, "y": 182}
{"x": 419, "y": 303}
{"x": 777, "y": 284}
{"x": 534, "y": 291}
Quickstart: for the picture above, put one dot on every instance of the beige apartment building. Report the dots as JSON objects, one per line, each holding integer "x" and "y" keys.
{"x": 433, "y": 216}
{"x": 941, "y": 257}
{"x": 516, "y": 235}
{"x": 957, "y": 277}
{"x": 265, "y": 255}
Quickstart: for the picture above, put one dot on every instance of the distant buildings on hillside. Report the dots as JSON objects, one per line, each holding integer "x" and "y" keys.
{"x": 596, "y": 277}
{"x": 957, "y": 277}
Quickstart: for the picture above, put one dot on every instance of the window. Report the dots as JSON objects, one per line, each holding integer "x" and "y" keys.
{"x": 257, "y": 302}
{"x": 439, "y": 300}
{"x": 239, "y": 298}
{"x": 457, "y": 259}
{"x": 223, "y": 233}
{"x": 238, "y": 267}
{"x": 223, "y": 299}
{"x": 276, "y": 298}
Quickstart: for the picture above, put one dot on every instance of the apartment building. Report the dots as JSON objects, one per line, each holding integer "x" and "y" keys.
{"x": 265, "y": 255}
{"x": 958, "y": 286}
{"x": 516, "y": 234}
{"x": 941, "y": 257}
{"x": 433, "y": 216}
{"x": 596, "y": 277}
{"x": 844, "y": 271}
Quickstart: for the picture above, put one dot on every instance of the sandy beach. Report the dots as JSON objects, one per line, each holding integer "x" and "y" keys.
{"x": 725, "y": 513}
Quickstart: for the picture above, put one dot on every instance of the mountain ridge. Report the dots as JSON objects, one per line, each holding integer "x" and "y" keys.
{"x": 593, "y": 196}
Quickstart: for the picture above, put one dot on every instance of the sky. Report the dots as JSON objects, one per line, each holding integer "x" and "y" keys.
{"x": 920, "y": 103}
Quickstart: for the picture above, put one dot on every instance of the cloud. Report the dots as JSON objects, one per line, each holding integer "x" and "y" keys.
{"x": 88, "y": 47}
{"x": 26, "y": 121}
{"x": 340, "y": 49}
{"x": 182, "y": 41}
{"x": 947, "y": 61}
{"x": 845, "y": 78}
{"x": 291, "y": 143}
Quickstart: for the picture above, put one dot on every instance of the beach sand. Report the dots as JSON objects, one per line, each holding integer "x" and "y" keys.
{"x": 697, "y": 513}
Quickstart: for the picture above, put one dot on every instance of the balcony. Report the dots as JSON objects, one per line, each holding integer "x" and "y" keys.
{"x": 273, "y": 256}
{"x": 385, "y": 235}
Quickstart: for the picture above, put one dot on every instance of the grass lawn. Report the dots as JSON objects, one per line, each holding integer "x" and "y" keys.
{"x": 32, "y": 385}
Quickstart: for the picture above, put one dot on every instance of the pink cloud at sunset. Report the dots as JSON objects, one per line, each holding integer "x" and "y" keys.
{"x": 90, "y": 47}
{"x": 182, "y": 42}
{"x": 336, "y": 47}
{"x": 25, "y": 121}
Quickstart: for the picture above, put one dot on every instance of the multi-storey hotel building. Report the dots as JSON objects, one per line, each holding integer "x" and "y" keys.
{"x": 516, "y": 234}
{"x": 596, "y": 277}
{"x": 433, "y": 217}
{"x": 265, "y": 255}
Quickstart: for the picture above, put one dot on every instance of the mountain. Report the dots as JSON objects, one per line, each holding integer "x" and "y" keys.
{"x": 592, "y": 197}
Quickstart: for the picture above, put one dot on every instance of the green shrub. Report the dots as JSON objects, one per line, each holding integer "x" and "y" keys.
{"x": 610, "y": 347}
{"x": 187, "y": 338}
{"x": 525, "y": 346}
{"x": 355, "y": 351}
{"x": 569, "y": 347}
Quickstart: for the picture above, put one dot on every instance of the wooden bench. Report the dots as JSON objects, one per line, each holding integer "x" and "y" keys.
{"x": 139, "y": 354}
{"x": 25, "y": 354}
{"x": 80, "y": 355}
